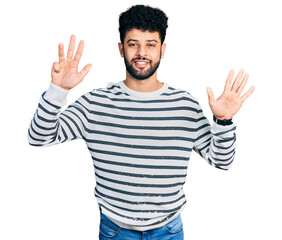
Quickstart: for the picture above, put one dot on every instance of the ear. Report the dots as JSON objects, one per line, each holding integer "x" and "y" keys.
{"x": 120, "y": 47}
{"x": 163, "y": 49}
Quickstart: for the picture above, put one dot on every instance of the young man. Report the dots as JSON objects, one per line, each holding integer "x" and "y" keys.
{"x": 140, "y": 131}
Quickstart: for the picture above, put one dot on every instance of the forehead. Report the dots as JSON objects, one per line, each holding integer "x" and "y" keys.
{"x": 142, "y": 35}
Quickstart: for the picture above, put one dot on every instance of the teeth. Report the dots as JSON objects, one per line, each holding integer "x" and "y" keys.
{"x": 141, "y": 62}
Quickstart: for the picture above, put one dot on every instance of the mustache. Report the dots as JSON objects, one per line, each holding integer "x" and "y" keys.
{"x": 139, "y": 58}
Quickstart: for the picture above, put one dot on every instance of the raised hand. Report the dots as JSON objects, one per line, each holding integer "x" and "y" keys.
{"x": 65, "y": 72}
{"x": 230, "y": 101}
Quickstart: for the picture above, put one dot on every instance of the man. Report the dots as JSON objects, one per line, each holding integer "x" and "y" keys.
{"x": 140, "y": 131}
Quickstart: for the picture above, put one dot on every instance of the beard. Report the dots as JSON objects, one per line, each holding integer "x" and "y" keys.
{"x": 143, "y": 74}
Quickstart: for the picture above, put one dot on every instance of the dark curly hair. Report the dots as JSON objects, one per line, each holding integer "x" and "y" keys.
{"x": 143, "y": 18}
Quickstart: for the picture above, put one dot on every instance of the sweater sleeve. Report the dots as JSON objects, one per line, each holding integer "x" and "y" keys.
{"x": 50, "y": 126}
{"x": 215, "y": 143}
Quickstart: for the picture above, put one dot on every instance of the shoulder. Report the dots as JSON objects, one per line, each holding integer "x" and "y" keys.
{"x": 112, "y": 89}
{"x": 184, "y": 94}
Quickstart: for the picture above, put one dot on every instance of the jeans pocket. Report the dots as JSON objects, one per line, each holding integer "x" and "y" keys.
{"x": 174, "y": 226}
{"x": 107, "y": 229}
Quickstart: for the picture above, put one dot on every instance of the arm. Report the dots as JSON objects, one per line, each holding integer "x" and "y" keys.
{"x": 49, "y": 126}
{"x": 217, "y": 143}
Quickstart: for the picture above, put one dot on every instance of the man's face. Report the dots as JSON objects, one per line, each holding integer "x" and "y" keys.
{"x": 142, "y": 52}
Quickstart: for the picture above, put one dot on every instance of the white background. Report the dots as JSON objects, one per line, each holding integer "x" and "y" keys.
{"x": 48, "y": 193}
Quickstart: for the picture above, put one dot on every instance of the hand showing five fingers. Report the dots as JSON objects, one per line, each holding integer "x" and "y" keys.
{"x": 230, "y": 101}
{"x": 65, "y": 72}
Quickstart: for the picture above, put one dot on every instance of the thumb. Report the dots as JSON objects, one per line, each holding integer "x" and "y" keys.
{"x": 210, "y": 95}
{"x": 56, "y": 67}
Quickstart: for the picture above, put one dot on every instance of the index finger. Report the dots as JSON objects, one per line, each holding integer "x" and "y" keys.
{"x": 237, "y": 80}
{"x": 229, "y": 80}
{"x": 79, "y": 51}
{"x": 71, "y": 47}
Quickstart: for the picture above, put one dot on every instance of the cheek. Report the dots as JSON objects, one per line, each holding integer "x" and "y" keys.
{"x": 157, "y": 55}
{"x": 128, "y": 54}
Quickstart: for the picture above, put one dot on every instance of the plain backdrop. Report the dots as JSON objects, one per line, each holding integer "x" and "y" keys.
{"x": 48, "y": 193}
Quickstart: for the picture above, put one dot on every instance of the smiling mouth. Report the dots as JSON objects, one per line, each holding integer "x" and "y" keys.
{"x": 141, "y": 63}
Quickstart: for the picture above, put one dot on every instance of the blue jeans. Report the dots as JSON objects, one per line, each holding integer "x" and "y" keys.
{"x": 171, "y": 231}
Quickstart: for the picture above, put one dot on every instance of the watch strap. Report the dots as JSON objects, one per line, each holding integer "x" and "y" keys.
{"x": 222, "y": 122}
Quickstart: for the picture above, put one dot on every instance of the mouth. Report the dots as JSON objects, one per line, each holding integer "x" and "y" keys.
{"x": 141, "y": 63}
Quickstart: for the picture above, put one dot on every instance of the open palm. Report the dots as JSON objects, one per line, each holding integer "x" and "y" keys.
{"x": 230, "y": 101}
{"x": 65, "y": 72}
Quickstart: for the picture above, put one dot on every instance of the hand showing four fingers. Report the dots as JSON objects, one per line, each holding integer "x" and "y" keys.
{"x": 230, "y": 101}
{"x": 65, "y": 72}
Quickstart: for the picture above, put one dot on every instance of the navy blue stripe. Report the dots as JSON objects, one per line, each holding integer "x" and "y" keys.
{"x": 73, "y": 121}
{"x": 137, "y": 193}
{"x": 139, "y": 109}
{"x": 46, "y": 111}
{"x": 134, "y": 174}
{"x": 224, "y": 164}
{"x": 41, "y": 127}
{"x": 203, "y": 135}
{"x": 138, "y": 156}
{"x": 227, "y": 140}
{"x": 35, "y": 139}
{"x": 124, "y": 200}
{"x": 130, "y": 117}
{"x": 148, "y": 211}
{"x": 206, "y": 146}
{"x": 137, "y": 165}
{"x": 203, "y": 126}
{"x": 164, "y": 138}
{"x": 227, "y": 131}
{"x": 41, "y": 134}
{"x": 176, "y": 128}
{"x": 51, "y": 104}
{"x": 139, "y": 184}
{"x": 46, "y": 120}
{"x": 152, "y": 147}
{"x": 223, "y": 160}
{"x": 142, "y": 101}
{"x": 69, "y": 127}
{"x": 222, "y": 154}
{"x": 221, "y": 147}
{"x": 135, "y": 218}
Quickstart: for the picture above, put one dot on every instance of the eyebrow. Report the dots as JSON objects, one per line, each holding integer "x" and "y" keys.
{"x": 134, "y": 40}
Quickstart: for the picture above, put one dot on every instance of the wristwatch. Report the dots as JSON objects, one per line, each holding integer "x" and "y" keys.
{"x": 222, "y": 122}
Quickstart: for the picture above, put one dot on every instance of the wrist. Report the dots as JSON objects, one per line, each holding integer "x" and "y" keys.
{"x": 222, "y": 122}
{"x": 60, "y": 86}
{"x": 56, "y": 94}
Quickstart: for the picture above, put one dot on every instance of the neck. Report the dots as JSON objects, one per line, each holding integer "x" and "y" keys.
{"x": 147, "y": 85}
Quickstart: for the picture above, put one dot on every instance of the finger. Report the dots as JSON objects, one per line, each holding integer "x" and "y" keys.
{"x": 247, "y": 94}
{"x": 210, "y": 96}
{"x": 79, "y": 51}
{"x": 243, "y": 84}
{"x": 237, "y": 80}
{"x": 71, "y": 47}
{"x": 56, "y": 67}
{"x": 84, "y": 71}
{"x": 61, "y": 52}
{"x": 229, "y": 80}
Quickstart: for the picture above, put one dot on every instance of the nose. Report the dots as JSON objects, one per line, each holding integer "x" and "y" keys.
{"x": 141, "y": 51}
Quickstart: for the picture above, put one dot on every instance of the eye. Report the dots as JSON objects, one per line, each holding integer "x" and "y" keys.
{"x": 151, "y": 45}
{"x": 131, "y": 44}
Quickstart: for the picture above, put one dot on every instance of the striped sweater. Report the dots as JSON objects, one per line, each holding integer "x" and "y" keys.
{"x": 140, "y": 143}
